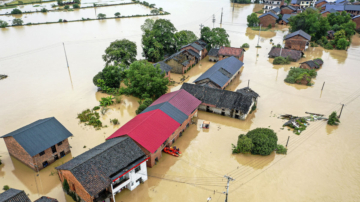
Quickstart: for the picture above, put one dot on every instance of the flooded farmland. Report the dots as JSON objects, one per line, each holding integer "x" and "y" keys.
{"x": 322, "y": 163}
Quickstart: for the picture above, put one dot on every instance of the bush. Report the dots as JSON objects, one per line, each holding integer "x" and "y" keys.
{"x": 66, "y": 7}
{"x": 60, "y": 2}
{"x": 66, "y": 186}
{"x": 245, "y": 45}
{"x": 114, "y": 121}
{"x": 144, "y": 104}
{"x": 244, "y": 144}
{"x": 106, "y": 101}
{"x": 17, "y": 21}
{"x": 264, "y": 140}
{"x": 6, "y": 187}
{"x": 101, "y": 16}
{"x": 60, "y": 20}
{"x": 77, "y": 1}
{"x": 342, "y": 44}
{"x": 76, "y": 6}
{"x": 117, "y": 14}
{"x": 328, "y": 46}
{"x": 44, "y": 10}
{"x": 253, "y": 108}
{"x": 269, "y": 26}
{"x": 3, "y": 24}
{"x": 16, "y": 11}
{"x": 333, "y": 119}
{"x": 296, "y": 75}
{"x": 96, "y": 108}
{"x": 281, "y": 61}
{"x": 281, "y": 149}
{"x": 96, "y": 78}
{"x": 90, "y": 118}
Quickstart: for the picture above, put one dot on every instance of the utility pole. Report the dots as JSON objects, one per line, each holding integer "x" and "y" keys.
{"x": 259, "y": 36}
{"x": 323, "y": 86}
{"x": 227, "y": 187}
{"x": 201, "y": 26}
{"x": 221, "y": 16}
{"x": 341, "y": 110}
{"x": 248, "y": 83}
{"x": 287, "y": 141}
{"x": 213, "y": 21}
{"x": 233, "y": 5}
{"x": 67, "y": 63}
{"x": 66, "y": 56}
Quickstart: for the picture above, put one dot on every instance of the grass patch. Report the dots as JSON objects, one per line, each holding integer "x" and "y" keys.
{"x": 260, "y": 11}
{"x": 258, "y": 28}
{"x": 90, "y": 118}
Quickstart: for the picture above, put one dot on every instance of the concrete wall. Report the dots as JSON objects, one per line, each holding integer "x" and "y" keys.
{"x": 296, "y": 43}
{"x": 18, "y": 152}
{"x": 75, "y": 185}
{"x": 176, "y": 67}
{"x": 213, "y": 58}
{"x": 267, "y": 20}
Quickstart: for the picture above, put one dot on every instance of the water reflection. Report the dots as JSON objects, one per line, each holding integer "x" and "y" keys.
{"x": 330, "y": 129}
{"x": 254, "y": 161}
{"x": 339, "y": 55}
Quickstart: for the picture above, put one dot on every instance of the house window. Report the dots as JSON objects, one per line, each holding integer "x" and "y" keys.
{"x": 62, "y": 154}
{"x": 60, "y": 143}
{"x": 137, "y": 169}
{"x": 45, "y": 163}
{"x": 139, "y": 180}
{"x": 53, "y": 149}
{"x": 42, "y": 153}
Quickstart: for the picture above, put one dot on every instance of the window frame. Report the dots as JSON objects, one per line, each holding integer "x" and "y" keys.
{"x": 42, "y": 153}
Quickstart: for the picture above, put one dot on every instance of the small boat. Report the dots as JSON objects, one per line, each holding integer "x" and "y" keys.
{"x": 170, "y": 151}
{"x": 175, "y": 150}
{"x": 206, "y": 124}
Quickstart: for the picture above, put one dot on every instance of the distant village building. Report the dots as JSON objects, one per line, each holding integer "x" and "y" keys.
{"x": 286, "y": 19}
{"x": 327, "y": 12}
{"x": 288, "y": 10}
{"x": 105, "y": 170}
{"x": 311, "y": 64}
{"x": 198, "y": 46}
{"x": 181, "y": 61}
{"x": 227, "y": 103}
{"x": 352, "y": 9}
{"x": 15, "y": 195}
{"x": 302, "y": 3}
{"x": 275, "y": 10}
{"x": 161, "y": 124}
{"x": 267, "y": 19}
{"x": 39, "y": 144}
{"x": 356, "y": 19}
{"x": 319, "y": 3}
{"x": 220, "y": 74}
{"x": 165, "y": 68}
{"x": 217, "y": 54}
{"x": 330, "y": 34}
{"x": 271, "y": 4}
{"x": 298, "y": 40}
{"x": 294, "y": 55}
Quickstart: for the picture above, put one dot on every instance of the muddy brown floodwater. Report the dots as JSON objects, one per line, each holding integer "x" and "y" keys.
{"x": 322, "y": 163}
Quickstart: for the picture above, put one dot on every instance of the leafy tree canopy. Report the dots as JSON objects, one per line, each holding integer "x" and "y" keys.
{"x": 333, "y": 119}
{"x": 144, "y": 104}
{"x": 252, "y": 20}
{"x": 148, "y": 25}
{"x": 264, "y": 140}
{"x": 143, "y": 78}
{"x": 16, "y": 11}
{"x": 215, "y": 37}
{"x": 245, "y": 144}
{"x": 112, "y": 75}
{"x": 122, "y": 51}
{"x": 17, "y": 21}
{"x": 184, "y": 37}
{"x": 3, "y": 24}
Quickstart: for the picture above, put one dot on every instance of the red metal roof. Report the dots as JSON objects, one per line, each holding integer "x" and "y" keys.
{"x": 180, "y": 99}
{"x": 149, "y": 129}
{"x": 230, "y": 51}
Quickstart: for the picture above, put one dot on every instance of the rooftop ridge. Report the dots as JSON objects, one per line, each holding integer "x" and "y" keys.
{"x": 41, "y": 121}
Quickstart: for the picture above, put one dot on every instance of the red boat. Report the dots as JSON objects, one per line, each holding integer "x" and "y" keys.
{"x": 172, "y": 151}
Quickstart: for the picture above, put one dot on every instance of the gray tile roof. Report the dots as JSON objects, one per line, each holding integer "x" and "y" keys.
{"x": 311, "y": 64}
{"x": 330, "y": 11}
{"x": 163, "y": 66}
{"x": 356, "y": 16}
{"x": 170, "y": 110}
{"x": 40, "y": 135}
{"x": 276, "y": 9}
{"x": 299, "y": 32}
{"x": 201, "y": 43}
{"x": 193, "y": 53}
{"x": 14, "y": 195}
{"x": 294, "y": 55}
{"x": 194, "y": 45}
{"x": 352, "y": 8}
{"x": 286, "y": 17}
{"x": 248, "y": 92}
{"x": 94, "y": 168}
{"x": 220, "y": 98}
{"x": 216, "y": 72}
{"x": 269, "y": 13}
{"x": 213, "y": 52}
{"x": 290, "y": 7}
{"x": 46, "y": 199}
{"x": 336, "y": 7}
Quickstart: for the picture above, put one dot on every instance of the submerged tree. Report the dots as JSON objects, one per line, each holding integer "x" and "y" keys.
{"x": 264, "y": 140}
{"x": 252, "y": 20}
{"x": 215, "y": 37}
{"x": 17, "y": 21}
{"x": 184, "y": 37}
{"x": 333, "y": 119}
{"x": 101, "y": 16}
{"x": 117, "y": 14}
{"x": 122, "y": 51}
{"x": 3, "y": 24}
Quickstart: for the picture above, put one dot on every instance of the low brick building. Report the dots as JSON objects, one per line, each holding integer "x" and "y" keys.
{"x": 181, "y": 61}
{"x": 356, "y": 19}
{"x": 293, "y": 55}
{"x": 105, "y": 170}
{"x": 161, "y": 124}
{"x": 312, "y": 64}
{"x": 220, "y": 74}
{"x": 287, "y": 10}
{"x": 327, "y": 12}
{"x": 165, "y": 68}
{"x": 15, "y": 195}
{"x": 298, "y": 40}
{"x": 237, "y": 104}
{"x": 267, "y": 19}
{"x": 198, "y": 46}
{"x": 214, "y": 55}
{"x": 352, "y": 9}
{"x": 39, "y": 144}
{"x": 319, "y": 3}
{"x": 286, "y": 19}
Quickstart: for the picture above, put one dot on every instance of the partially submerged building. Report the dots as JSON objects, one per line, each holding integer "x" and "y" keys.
{"x": 288, "y": 10}
{"x": 356, "y": 19}
{"x": 161, "y": 124}
{"x": 39, "y": 144}
{"x": 298, "y": 40}
{"x": 165, "y": 68}
{"x": 275, "y": 10}
{"x": 220, "y": 74}
{"x": 105, "y": 170}
{"x": 267, "y": 19}
{"x": 14, "y": 195}
{"x": 226, "y": 103}
{"x": 271, "y": 4}
{"x": 181, "y": 61}
{"x": 198, "y": 46}
{"x": 286, "y": 19}
{"x": 217, "y": 54}
{"x": 311, "y": 64}
{"x": 293, "y": 55}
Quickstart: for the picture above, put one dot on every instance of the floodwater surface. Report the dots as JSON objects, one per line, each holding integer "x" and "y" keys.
{"x": 322, "y": 163}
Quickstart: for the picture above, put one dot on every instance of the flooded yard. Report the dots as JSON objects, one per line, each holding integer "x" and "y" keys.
{"x": 322, "y": 163}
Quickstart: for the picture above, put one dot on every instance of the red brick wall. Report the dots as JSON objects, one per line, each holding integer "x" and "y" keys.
{"x": 320, "y": 4}
{"x": 282, "y": 22}
{"x": 17, "y": 151}
{"x": 168, "y": 75}
{"x": 48, "y": 156}
{"x": 286, "y": 11}
{"x": 357, "y": 21}
{"x": 75, "y": 185}
{"x": 267, "y": 20}
{"x": 296, "y": 43}
{"x": 242, "y": 56}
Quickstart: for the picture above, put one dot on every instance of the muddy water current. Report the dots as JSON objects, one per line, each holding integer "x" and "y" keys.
{"x": 322, "y": 163}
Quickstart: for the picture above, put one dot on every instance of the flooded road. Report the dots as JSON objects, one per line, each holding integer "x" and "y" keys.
{"x": 322, "y": 163}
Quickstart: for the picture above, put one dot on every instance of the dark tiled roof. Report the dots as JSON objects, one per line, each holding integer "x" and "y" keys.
{"x": 194, "y": 45}
{"x": 163, "y": 66}
{"x": 336, "y": 7}
{"x": 186, "y": 62}
{"x": 230, "y": 51}
{"x": 320, "y": 62}
{"x": 94, "y": 168}
{"x": 220, "y": 98}
{"x": 320, "y": 1}
{"x": 193, "y": 53}
{"x": 248, "y": 92}
{"x": 14, "y": 195}
{"x": 290, "y": 7}
{"x": 213, "y": 52}
{"x": 299, "y": 32}
{"x": 295, "y": 2}
{"x": 352, "y": 8}
{"x": 216, "y": 73}
{"x": 201, "y": 43}
{"x": 170, "y": 110}
{"x": 276, "y": 9}
{"x": 46, "y": 199}
{"x": 40, "y": 135}
{"x": 269, "y": 13}
{"x": 330, "y": 11}
{"x": 356, "y": 16}
{"x": 286, "y": 17}
{"x": 311, "y": 64}
{"x": 294, "y": 55}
